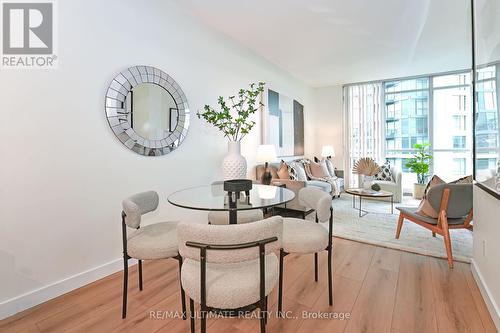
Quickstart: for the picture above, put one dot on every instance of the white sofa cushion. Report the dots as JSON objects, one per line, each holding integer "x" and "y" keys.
{"x": 324, "y": 186}
{"x": 229, "y": 285}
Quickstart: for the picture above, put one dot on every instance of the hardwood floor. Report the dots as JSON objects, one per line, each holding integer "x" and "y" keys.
{"x": 382, "y": 290}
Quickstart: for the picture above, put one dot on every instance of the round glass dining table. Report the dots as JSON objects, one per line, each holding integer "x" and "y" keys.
{"x": 214, "y": 198}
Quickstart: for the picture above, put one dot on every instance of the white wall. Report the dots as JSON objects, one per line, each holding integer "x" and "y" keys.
{"x": 64, "y": 174}
{"x": 326, "y": 123}
{"x": 487, "y": 249}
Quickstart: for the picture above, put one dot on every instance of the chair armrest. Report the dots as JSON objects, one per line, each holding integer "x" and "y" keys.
{"x": 397, "y": 175}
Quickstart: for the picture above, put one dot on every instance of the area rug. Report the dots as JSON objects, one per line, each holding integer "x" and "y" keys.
{"x": 379, "y": 228}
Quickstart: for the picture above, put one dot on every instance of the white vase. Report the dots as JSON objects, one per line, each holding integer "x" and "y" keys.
{"x": 234, "y": 165}
{"x": 368, "y": 182}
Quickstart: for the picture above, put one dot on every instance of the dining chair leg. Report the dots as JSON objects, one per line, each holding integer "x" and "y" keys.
{"x": 125, "y": 286}
{"x": 183, "y": 295}
{"x": 203, "y": 318}
{"x": 280, "y": 284}
{"x": 266, "y": 313}
{"x": 400, "y": 225}
{"x": 191, "y": 313}
{"x": 330, "y": 277}
{"x": 316, "y": 267}
{"x": 262, "y": 315}
{"x": 140, "y": 274}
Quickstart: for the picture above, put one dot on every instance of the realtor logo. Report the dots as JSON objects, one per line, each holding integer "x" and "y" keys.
{"x": 28, "y": 35}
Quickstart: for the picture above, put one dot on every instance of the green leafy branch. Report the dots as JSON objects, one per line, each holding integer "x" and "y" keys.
{"x": 233, "y": 115}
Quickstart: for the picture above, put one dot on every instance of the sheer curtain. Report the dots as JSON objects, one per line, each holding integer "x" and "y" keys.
{"x": 364, "y": 125}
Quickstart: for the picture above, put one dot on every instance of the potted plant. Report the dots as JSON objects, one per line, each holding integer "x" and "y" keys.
{"x": 233, "y": 120}
{"x": 419, "y": 164}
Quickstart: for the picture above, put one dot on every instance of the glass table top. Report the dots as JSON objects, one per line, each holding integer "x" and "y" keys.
{"x": 213, "y": 197}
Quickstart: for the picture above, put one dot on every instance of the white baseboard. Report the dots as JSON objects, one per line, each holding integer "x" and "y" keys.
{"x": 487, "y": 296}
{"x": 38, "y": 296}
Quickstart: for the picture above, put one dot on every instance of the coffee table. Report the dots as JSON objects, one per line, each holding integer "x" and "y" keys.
{"x": 361, "y": 192}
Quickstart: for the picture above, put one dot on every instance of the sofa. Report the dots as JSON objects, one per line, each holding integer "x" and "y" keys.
{"x": 395, "y": 185}
{"x": 296, "y": 185}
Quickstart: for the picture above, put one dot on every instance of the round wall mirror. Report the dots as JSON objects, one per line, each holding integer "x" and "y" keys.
{"x": 147, "y": 110}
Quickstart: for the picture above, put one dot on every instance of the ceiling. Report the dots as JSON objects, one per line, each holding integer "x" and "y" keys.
{"x": 328, "y": 42}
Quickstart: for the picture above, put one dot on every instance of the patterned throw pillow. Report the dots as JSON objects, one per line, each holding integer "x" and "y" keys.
{"x": 297, "y": 171}
{"x": 292, "y": 172}
{"x": 385, "y": 173}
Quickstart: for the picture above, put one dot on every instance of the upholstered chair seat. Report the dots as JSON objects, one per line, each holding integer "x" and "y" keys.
{"x": 229, "y": 286}
{"x": 154, "y": 241}
{"x": 412, "y": 212}
{"x": 243, "y": 216}
{"x": 303, "y": 236}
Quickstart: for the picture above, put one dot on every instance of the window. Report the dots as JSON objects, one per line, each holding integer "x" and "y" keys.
{"x": 406, "y": 121}
{"x": 459, "y": 122}
{"x": 487, "y": 132}
{"x": 459, "y": 142}
{"x": 486, "y": 163}
{"x": 452, "y": 125}
{"x": 459, "y": 166}
{"x": 434, "y": 109}
{"x": 363, "y": 107}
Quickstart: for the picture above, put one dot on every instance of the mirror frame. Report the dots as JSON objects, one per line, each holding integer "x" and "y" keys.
{"x": 117, "y": 113}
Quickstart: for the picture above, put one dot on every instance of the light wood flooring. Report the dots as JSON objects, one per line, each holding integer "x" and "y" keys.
{"x": 383, "y": 290}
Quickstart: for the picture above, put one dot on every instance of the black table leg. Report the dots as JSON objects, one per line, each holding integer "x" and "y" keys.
{"x": 233, "y": 217}
{"x": 359, "y": 206}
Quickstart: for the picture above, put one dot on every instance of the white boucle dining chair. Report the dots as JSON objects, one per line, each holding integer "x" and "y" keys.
{"x": 229, "y": 267}
{"x": 307, "y": 237}
{"x": 154, "y": 241}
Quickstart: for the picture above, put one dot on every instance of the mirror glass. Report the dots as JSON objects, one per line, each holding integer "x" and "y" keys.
{"x": 487, "y": 113}
{"x": 152, "y": 111}
{"x": 147, "y": 110}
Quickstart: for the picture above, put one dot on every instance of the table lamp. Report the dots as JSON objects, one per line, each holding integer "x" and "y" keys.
{"x": 266, "y": 154}
{"x": 327, "y": 151}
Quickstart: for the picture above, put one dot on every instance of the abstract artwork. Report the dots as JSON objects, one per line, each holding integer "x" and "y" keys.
{"x": 283, "y": 124}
